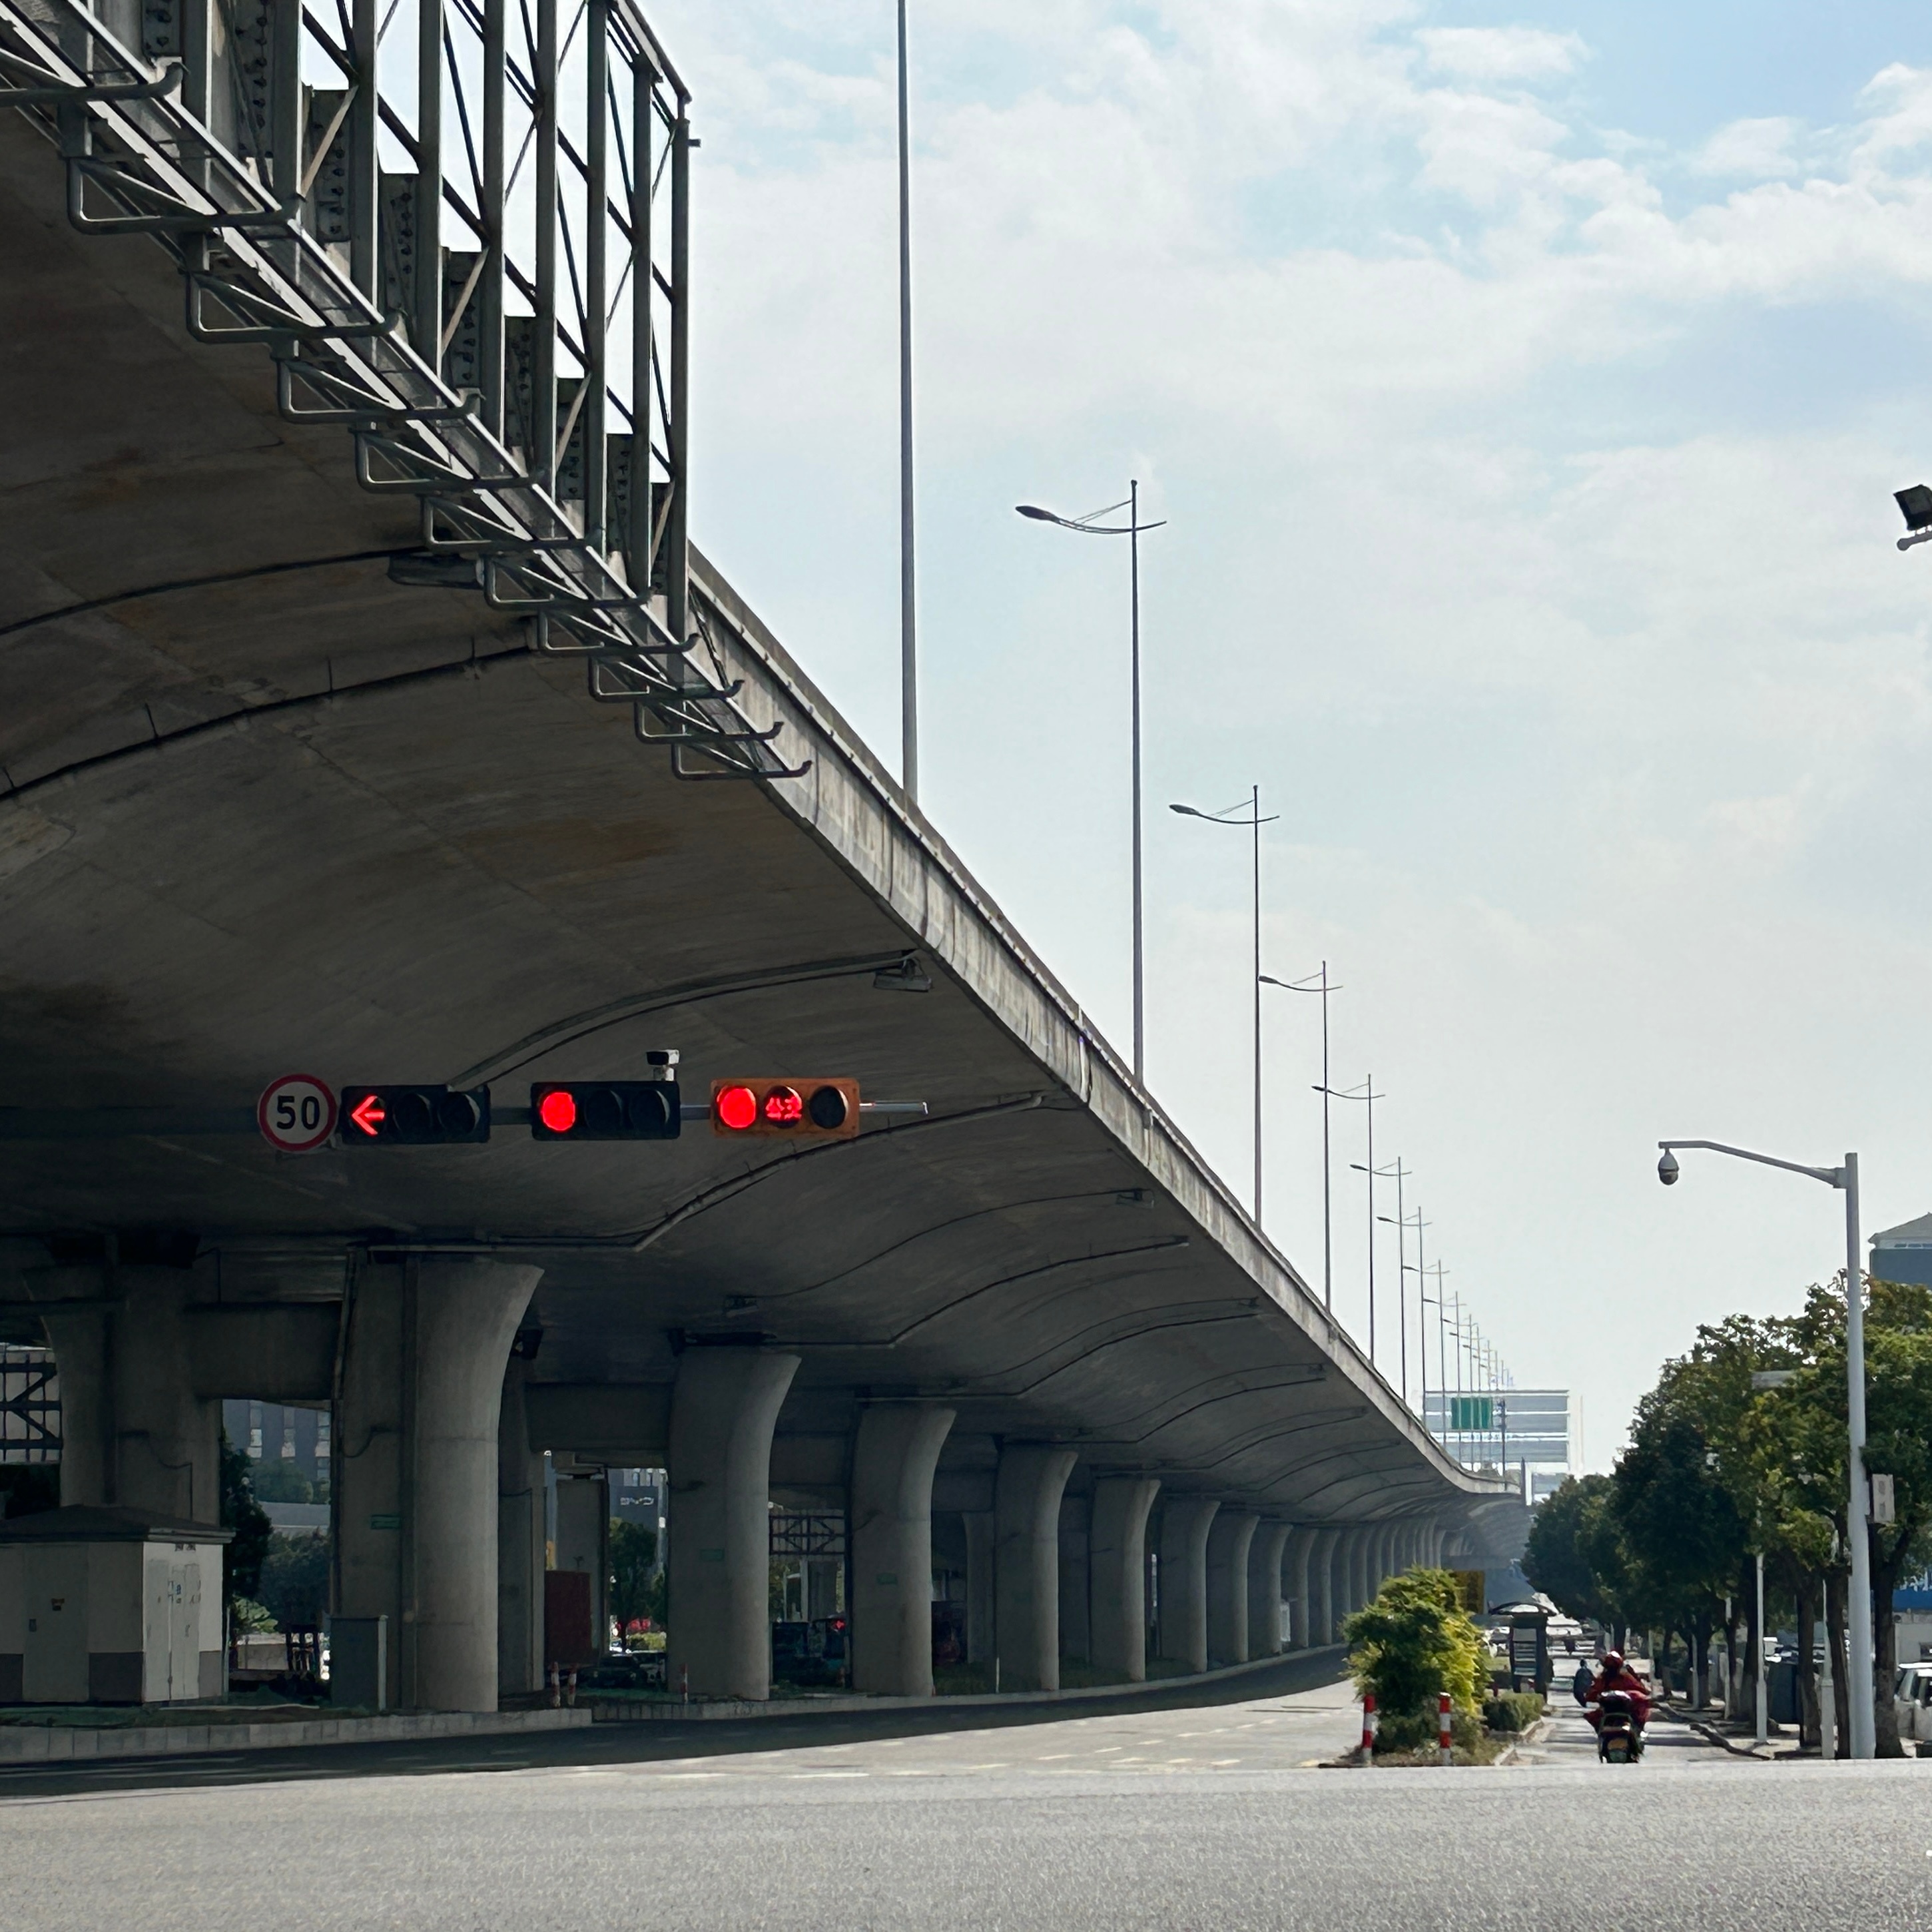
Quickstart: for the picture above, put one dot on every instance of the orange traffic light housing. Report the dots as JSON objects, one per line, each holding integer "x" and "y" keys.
{"x": 795, "y": 1109}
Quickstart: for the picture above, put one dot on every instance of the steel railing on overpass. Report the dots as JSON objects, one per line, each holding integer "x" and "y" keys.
{"x": 461, "y": 231}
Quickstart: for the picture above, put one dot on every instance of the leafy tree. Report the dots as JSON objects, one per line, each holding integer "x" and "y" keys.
{"x": 295, "y": 1580}
{"x": 242, "y": 1575}
{"x": 1414, "y": 1641}
{"x": 637, "y": 1584}
{"x": 1566, "y": 1538}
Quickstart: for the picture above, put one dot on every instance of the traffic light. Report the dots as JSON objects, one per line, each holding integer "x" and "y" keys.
{"x": 818, "y": 1110}
{"x": 605, "y": 1110}
{"x": 414, "y": 1116}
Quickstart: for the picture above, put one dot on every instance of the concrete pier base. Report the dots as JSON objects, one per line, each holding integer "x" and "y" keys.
{"x": 1117, "y": 1570}
{"x": 1185, "y": 1523}
{"x": 1026, "y": 1508}
{"x": 134, "y": 1431}
{"x": 724, "y": 1407}
{"x": 416, "y": 1508}
{"x": 1230, "y": 1537}
{"x": 897, "y": 1447}
{"x": 1265, "y": 1590}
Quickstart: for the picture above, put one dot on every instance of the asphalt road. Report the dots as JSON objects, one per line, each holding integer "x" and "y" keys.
{"x": 1196, "y": 1817}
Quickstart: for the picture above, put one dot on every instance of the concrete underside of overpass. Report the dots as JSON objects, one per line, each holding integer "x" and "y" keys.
{"x": 263, "y": 809}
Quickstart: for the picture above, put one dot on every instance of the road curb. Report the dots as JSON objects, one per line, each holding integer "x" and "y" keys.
{"x": 71, "y": 1743}
{"x": 723, "y": 1710}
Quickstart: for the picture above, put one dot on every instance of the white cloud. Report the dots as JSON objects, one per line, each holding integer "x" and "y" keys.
{"x": 1753, "y": 150}
{"x": 1500, "y": 54}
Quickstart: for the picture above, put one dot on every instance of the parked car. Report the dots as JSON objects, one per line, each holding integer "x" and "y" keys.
{"x": 1912, "y": 1699}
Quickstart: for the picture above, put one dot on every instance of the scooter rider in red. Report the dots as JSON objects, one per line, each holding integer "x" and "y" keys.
{"x": 1617, "y": 1676}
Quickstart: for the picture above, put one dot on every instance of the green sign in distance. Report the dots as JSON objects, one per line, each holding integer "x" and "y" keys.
{"x": 1472, "y": 1413}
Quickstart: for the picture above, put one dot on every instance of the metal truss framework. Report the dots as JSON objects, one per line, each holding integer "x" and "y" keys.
{"x": 797, "y": 1533}
{"x": 461, "y": 230}
{"x": 30, "y": 1406}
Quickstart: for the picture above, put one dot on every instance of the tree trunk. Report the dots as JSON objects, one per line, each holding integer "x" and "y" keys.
{"x": 1753, "y": 1646}
{"x": 1888, "y": 1559}
{"x": 1700, "y": 1682}
{"x": 1834, "y": 1635}
{"x": 1809, "y": 1732}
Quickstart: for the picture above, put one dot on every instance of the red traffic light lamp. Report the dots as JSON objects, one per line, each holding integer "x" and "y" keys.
{"x": 605, "y": 1110}
{"x": 815, "y": 1109}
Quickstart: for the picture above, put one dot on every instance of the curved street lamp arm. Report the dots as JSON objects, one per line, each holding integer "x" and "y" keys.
{"x": 1832, "y": 1177}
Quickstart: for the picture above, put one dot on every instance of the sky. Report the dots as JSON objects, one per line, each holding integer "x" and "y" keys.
{"x": 1523, "y": 388}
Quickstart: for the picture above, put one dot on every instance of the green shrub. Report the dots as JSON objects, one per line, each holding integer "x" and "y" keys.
{"x": 1414, "y": 1641}
{"x": 1513, "y": 1711}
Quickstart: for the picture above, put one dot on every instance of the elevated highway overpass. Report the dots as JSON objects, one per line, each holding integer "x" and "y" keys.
{"x": 375, "y": 783}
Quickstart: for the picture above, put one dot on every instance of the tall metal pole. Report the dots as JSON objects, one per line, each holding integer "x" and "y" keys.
{"x": 1401, "y": 1285}
{"x": 1369, "y": 1099}
{"x": 1863, "y": 1692}
{"x": 1763, "y": 1732}
{"x": 1140, "y": 1014}
{"x": 908, "y": 644}
{"x": 1255, "y": 813}
{"x": 1328, "y": 1190}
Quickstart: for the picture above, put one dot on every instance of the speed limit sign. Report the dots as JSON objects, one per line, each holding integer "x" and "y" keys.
{"x": 296, "y": 1112}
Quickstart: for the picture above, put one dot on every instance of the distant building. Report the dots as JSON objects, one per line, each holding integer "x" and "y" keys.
{"x": 288, "y": 1447}
{"x": 1526, "y": 1431}
{"x": 1904, "y": 1253}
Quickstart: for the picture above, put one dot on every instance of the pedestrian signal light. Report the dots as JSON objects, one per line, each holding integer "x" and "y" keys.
{"x": 414, "y": 1116}
{"x": 605, "y": 1110}
{"x": 821, "y": 1109}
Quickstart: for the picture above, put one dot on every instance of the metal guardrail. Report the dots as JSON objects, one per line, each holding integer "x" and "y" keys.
{"x": 462, "y": 233}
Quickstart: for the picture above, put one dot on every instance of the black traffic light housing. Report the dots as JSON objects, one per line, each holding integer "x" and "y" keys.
{"x": 414, "y": 1116}
{"x": 605, "y": 1110}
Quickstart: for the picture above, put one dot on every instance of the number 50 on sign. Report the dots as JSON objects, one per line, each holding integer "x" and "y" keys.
{"x": 296, "y": 1113}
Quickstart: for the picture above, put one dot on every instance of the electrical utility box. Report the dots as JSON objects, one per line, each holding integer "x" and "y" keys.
{"x": 110, "y": 1606}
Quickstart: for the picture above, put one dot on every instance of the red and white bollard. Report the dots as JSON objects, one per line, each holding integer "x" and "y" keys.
{"x": 1368, "y": 1727}
{"x": 556, "y": 1688}
{"x": 1444, "y": 1738}
{"x": 684, "y": 1682}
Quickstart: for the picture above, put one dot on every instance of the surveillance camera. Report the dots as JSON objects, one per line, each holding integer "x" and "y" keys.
{"x": 1666, "y": 1168}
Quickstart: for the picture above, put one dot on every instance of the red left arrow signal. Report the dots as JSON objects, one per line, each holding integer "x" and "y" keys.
{"x": 367, "y": 1114}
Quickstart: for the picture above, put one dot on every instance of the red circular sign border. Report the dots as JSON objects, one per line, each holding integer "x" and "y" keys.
{"x": 268, "y": 1092}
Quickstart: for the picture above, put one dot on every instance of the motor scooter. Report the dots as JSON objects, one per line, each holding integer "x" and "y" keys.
{"x": 1619, "y": 1735}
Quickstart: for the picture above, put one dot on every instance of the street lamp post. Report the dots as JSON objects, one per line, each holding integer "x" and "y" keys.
{"x": 1367, "y": 1095}
{"x": 1845, "y": 1178}
{"x": 1088, "y": 526}
{"x": 1398, "y": 1173}
{"x": 1318, "y": 983}
{"x": 908, "y": 650}
{"x": 1254, "y": 822}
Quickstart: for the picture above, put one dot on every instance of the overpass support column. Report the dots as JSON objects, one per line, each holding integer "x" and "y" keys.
{"x": 1230, "y": 1538}
{"x": 982, "y": 1587}
{"x": 1323, "y": 1605}
{"x": 892, "y": 1461}
{"x": 519, "y": 1544}
{"x": 427, "y": 1342}
{"x": 1381, "y": 1558}
{"x": 1185, "y": 1523}
{"x": 1026, "y": 1511}
{"x": 723, "y": 1407}
{"x": 1264, "y": 1556}
{"x": 1295, "y": 1586}
{"x": 1117, "y": 1574}
{"x": 134, "y": 1431}
{"x": 1358, "y": 1540}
